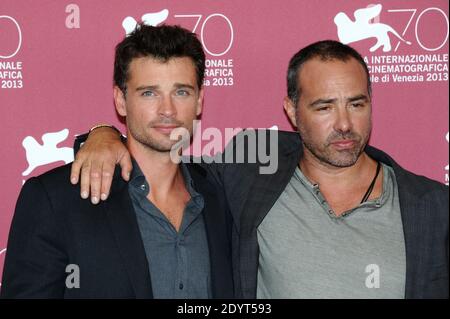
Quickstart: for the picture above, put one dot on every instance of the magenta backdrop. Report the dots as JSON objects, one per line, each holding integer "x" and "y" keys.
{"x": 56, "y": 62}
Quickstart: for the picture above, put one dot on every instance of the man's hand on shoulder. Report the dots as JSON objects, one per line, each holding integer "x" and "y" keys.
{"x": 95, "y": 162}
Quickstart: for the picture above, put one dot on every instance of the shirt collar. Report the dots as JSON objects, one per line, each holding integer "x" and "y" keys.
{"x": 137, "y": 178}
{"x": 388, "y": 172}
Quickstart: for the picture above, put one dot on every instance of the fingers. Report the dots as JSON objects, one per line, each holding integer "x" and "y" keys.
{"x": 95, "y": 181}
{"x": 126, "y": 165}
{"x": 75, "y": 171}
{"x": 80, "y": 172}
{"x": 95, "y": 163}
{"x": 107, "y": 176}
{"x": 85, "y": 180}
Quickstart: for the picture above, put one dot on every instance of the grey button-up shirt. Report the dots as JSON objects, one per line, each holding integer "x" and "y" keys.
{"x": 178, "y": 261}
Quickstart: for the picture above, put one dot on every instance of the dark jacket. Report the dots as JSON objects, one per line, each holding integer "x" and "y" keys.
{"x": 53, "y": 227}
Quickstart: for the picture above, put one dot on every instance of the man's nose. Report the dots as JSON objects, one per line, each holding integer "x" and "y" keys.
{"x": 343, "y": 121}
{"x": 167, "y": 107}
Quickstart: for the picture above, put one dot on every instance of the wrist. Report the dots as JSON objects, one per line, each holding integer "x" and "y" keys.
{"x": 106, "y": 128}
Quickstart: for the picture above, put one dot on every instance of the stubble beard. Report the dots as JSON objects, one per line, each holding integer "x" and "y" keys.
{"x": 162, "y": 145}
{"x": 332, "y": 157}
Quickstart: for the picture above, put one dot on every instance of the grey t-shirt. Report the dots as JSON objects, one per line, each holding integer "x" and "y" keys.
{"x": 308, "y": 252}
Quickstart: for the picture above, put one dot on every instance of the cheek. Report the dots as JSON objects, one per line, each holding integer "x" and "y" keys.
{"x": 134, "y": 115}
{"x": 139, "y": 118}
{"x": 144, "y": 110}
{"x": 314, "y": 131}
{"x": 364, "y": 124}
{"x": 187, "y": 113}
{"x": 316, "y": 125}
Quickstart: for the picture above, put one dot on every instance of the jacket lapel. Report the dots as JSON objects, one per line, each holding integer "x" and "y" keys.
{"x": 416, "y": 240}
{"x": 416, "y": 228}
{"x": 122, "y": 219}
{"x": 218, "y": 231}
{"x": 264, "y": 192}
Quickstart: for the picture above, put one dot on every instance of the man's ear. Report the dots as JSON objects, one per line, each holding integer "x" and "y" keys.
{"x": 201, "y": 95}
{"x": 290, "y": 108}
{"x": 119, "y": 101}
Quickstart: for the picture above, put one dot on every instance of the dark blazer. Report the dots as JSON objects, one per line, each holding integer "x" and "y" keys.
{"x": 53, "y": 227}
{"x": 423, "y": 204}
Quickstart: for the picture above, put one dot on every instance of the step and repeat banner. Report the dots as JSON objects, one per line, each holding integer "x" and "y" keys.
{"x": 56, "y": 64}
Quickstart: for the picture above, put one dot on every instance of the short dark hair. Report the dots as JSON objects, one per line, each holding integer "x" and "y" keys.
{"x": 163, "y": 43}
{"x": 325, "y": 50}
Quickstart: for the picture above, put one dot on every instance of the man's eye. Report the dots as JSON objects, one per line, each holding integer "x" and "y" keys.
{"x": 357, "y": 104}
{"x": 182, "y": 93}
{"x": 323, "y": 108}
{"x": 148, "y": 93}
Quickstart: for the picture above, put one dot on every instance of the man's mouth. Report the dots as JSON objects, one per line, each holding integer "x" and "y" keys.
{"x": 165, "y": 128}
{"x": 343, "y": 144}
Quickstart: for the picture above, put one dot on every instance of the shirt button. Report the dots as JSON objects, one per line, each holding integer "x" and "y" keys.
{"x": 143, "y": 187}
{"x": 181, "y": 286}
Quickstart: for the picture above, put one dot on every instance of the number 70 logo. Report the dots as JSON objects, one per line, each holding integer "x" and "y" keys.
{"x": 418, "y": 25}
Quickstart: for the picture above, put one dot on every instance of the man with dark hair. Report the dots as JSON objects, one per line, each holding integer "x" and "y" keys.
{"x": 165, "y": 234}
{"x": 324, "y": 50}
{"x": 162, "y": 44}
{"x": 339, "y": 218}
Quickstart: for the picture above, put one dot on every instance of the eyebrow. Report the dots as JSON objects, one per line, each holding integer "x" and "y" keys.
{"x": 183, "y": 85}
{"x": 358, "y": 97}
{"x": 147, "y": 87}
{"x": 155, "y": 87}
{"x": 331, "y": 101}
{"x": 322, "y": 101}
